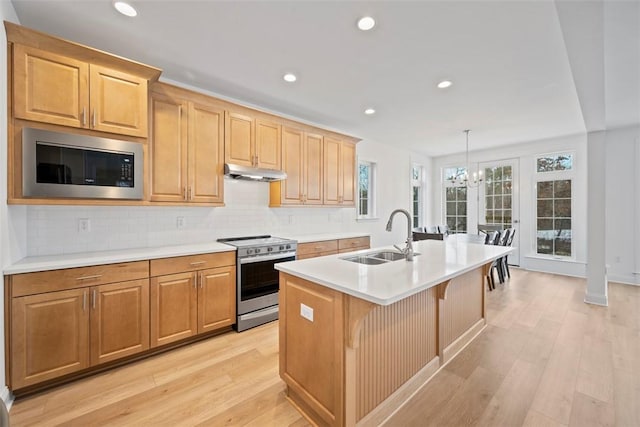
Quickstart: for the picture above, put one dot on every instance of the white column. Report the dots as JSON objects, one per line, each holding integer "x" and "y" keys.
{"x": 596, "y": 254}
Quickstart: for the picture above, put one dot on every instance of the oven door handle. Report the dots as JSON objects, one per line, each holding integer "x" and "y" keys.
{"x": 261, "y": 258}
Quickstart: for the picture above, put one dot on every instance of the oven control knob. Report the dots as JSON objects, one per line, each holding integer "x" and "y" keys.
{"x": 249, "y": 251}
{"x": 257, "y": 250}
{"x": 288, "y": 246}
{"x": 269, "y": 249}
{"x": 281, "y": 248}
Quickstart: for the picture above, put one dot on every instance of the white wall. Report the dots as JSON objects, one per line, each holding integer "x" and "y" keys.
{"x": 622, "y": 203}
{"x": 12, "y": 231}
{"x": 525, "y": 155}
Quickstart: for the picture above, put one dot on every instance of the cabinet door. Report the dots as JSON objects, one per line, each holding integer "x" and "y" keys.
{"x": 118, "y": 102}
{"x": 168, "y": 149}
{"x": 332, "y": 171}
{"x": 268, "y": 145}
{"x": 348, "y": 168}
{"x": 292, "y": 164}
{"x": 50, "y": 88}
{"x": 119, "y": 320}
{"x": 49, "y": 336}
{"x": 239, "y": 139}
{"x": 313, "y": 169}
{"x": 173, "y": 308}
{"x": 216, "y": 298}
{"x": 206, "y": 154}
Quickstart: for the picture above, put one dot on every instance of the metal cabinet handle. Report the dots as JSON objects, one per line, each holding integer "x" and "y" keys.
{"x": 84, "y": 116}
{"x": 84, "y": 301}
{"x": 93, "y": 118}
{"x": 184, "y": 193}
{"x": 189, "y": 194}
{"x": 94, "y": 296}
{"x": 201, "y": 281}
{"x": 194, "y": 263}
{"x": 95, "y": 276}
{"x": 195, "y": 282}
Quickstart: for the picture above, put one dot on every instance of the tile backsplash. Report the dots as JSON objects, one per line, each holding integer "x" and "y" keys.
{"x": 55, "y": 230}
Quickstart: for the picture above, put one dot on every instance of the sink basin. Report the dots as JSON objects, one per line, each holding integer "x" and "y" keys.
{"x": 363, "y": 259}
{"x": 374, "y": 258}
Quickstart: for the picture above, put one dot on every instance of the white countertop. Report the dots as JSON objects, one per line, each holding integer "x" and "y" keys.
{"x": 393, "y": 281}
{"x": 319, "y": 237}
{"x": 57, "y": 262}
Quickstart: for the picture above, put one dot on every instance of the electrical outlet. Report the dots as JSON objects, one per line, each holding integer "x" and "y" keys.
{"x": 617, "y": 260}
{"x": 306, "y": 312}
{"x": 180, "y": 222}
{"x": 84, "y": 225}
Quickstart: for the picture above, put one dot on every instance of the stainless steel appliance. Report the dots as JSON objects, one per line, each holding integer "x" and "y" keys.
{"x": 68, "y": 165}
{"x": 257, "y": 279}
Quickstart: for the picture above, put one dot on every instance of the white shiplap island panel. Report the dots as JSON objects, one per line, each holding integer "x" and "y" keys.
{"x": 393, "y": 281}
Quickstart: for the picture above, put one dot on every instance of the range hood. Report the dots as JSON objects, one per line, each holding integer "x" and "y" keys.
{"x": 252, "y": 174}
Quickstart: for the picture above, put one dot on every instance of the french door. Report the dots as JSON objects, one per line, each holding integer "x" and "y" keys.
{"x": 498, "y": 199}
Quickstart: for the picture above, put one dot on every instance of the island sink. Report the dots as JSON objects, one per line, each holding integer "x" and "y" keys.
{"x": 378, "y": 257}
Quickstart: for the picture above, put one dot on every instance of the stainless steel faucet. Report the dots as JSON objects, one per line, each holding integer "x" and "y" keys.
{"x": 408, "y": 250}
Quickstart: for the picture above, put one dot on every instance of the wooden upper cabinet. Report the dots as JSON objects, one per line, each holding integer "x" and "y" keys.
{"x": 339, "y": 172}
{"x": 239, "y": 139}
{"x": 118, "y": 102}
{"x": 186, "y": 149}
{"x": 55, "y": 89}
{"x": 49, "y": 336}
{"x": 268, "y": 147}
{"x": 119, "y": 320}
{"x": 168, "y": 149}
{"x": 50, "y": 88}
{"x": 206, "y": 154}
{"x": 290, "y": 191}
{"x": 313, "y": 163}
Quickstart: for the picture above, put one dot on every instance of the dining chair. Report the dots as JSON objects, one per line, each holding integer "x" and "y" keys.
{"x": 492, "y": 238}
{"x": 506, "y": 257}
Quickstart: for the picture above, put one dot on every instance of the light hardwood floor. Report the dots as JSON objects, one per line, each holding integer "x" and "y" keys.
{"x": 546, "y": 358}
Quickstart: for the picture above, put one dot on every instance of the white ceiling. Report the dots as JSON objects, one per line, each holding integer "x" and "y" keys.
{"x": 512, "y": 72}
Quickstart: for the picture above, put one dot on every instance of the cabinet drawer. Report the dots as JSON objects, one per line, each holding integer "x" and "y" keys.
{"x": 315, "y": 255}
{"x": 162, "y": 266}
{"x": 353, "y": 244}
{"x": 316, "y": 248}
{"x": 72, "y": 278}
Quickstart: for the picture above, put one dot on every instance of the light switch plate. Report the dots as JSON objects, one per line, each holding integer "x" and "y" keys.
{"x": 84, "y": 225}
{"x": 180, "y": 222}
{"x": 306, "y": 312}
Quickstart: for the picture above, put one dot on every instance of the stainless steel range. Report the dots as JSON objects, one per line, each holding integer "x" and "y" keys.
{"x": 257, "y": 279}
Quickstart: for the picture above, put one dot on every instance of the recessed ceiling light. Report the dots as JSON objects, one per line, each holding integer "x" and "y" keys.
{"x": 125, "y": 8}
{"x": 444, "y": 84}
{"x": 290, "y": 77}
{"x": 369, "y": 111}
{"x": 366, "y": 23}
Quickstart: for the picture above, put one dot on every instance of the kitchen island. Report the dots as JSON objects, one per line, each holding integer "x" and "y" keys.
{"x": 357, "y": 340}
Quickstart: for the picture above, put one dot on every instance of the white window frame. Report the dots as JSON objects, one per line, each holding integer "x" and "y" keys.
{"x": 372, "y": 188}
{"x": 446, "y": 183}
{"x": 557, "y": 175}
{"x": 420, "y": 184}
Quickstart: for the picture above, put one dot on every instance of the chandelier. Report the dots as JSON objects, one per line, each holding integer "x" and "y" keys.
{"x": 462, "y": 179}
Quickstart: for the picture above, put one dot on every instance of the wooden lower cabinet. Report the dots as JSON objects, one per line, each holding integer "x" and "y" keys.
{"x": 119, "y": 320}
{"x": 186, "y": 304}
{"x": 58, "y": 333}
{"x": 50, "y": 336}
{"x": 332, "y": 247}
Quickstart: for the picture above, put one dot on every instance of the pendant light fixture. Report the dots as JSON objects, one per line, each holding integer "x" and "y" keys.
{"x": 463, "y": 179}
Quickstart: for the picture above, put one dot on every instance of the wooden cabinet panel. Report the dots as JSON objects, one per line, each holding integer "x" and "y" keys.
{"x": 216, "y": 298}
{"x": 71, "y": 278}
{"x": 206, "y": 154}
{"x": 187, "y": 263}
{"x": 268, "y": 147}
{"x": 168, "y": 150}
{"x": 332, "y": 171}
{"x": 49, "y": 336}
{"x": 348, "y": 167}
{"x": 50, "y": 88}
{"x": 239, "y": 139}
{"x": 290, "y": 191}
{"x": 173, "y": 308}
{"x": 119, "y": 320}
{"x": 356, "y": 243}
{"x": 313, "y": 169}
{"x": 118, "y": 102}
{"x": 325, "y": 247}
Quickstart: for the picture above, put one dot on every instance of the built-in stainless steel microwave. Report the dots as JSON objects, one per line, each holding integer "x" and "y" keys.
{"x": 78, "y": 166}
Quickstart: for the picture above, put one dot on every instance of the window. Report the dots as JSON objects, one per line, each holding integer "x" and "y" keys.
{"x": 498, "y": 187}
{"x": 455, "y": 201}
{"x": 417, "y": 179}
{"x": 366, "y": 189}
{"x": 553, "y": 205}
